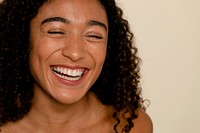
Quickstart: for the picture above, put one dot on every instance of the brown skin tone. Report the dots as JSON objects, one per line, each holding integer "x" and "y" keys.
{"x": 94, "y": 118}
{"x": 98, "y": 120}
{"x": 74, "y": 36}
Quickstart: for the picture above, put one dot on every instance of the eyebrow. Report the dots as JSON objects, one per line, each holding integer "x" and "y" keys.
{"x": 55, "y": 19}
{"x": 66, "y": 21}
{"x": 97, "y": 23}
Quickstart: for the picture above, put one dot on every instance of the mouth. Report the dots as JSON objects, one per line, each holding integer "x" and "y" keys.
{"x": 67, "y": 73}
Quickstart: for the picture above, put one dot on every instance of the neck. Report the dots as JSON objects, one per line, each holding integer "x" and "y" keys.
{"x": 88, "y": 115}
{"x": 46, "y": 112}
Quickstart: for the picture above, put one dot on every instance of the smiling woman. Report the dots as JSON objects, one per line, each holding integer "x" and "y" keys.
{"x": 74, "y": 40}
{"x": 71, "y": 62}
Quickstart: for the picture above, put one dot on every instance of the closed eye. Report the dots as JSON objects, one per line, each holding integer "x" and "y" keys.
{"x": 95, "y": 36}
{"x": 55, "y": 32}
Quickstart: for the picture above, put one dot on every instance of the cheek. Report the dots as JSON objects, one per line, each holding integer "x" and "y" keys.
{"x": 38, "y": 55}
{"x": 102, "y": 57}
{"x": 34, "y": 62}
{"x": 99, "y": 57}
{"x": 102, "y": 54}
{"x": 41, "y": 49}
{"x": 98, "y": 53}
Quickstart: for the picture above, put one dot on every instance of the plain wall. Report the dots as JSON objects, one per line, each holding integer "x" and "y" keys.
{"x": 167, "y": 34}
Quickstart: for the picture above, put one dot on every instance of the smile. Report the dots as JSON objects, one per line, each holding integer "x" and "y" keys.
{"x": 68, "y": 74}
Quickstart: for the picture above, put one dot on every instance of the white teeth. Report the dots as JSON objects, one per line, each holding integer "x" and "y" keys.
{"x": 74, "y": 73}
{"x": 65, "y": 71}
{"x": 68, "y": 74}
{"x": 68, "y": 78}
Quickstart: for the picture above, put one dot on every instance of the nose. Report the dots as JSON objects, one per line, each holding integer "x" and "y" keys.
{"x": 74, "y": 48}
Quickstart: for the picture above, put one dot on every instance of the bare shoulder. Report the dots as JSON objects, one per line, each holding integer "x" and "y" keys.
{"x": 5, "y": 129}
{"x": 142, "y": 124}
{"x": 13, "y": 127}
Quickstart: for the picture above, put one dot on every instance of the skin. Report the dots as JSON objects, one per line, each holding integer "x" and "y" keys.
{"x": 69, "y": 35}
{"x": 68, "y": 38}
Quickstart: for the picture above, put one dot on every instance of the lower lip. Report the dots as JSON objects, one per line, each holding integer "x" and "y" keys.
{"x": 69, "y": 82}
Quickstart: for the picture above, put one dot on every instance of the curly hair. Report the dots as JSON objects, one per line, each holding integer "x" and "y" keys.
{"x": 118, "y": 84}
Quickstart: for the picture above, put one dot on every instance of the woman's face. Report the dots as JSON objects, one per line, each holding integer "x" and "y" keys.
{"x": 68, "y": 47}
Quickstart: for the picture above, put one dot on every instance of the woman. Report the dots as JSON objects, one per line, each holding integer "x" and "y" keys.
{"x": 68, "y": 66}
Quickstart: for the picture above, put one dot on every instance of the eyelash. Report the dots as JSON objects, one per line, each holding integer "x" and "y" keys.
{"x": 55, "y": 32}
{"x": 62, "y": 33}
{"x": 95, "y": 36}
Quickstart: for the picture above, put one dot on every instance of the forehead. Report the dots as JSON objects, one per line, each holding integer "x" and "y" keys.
{"x": 73, "y": 9}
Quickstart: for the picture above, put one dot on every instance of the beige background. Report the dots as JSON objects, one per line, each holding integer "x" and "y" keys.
{"x": 168, "y": 37}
